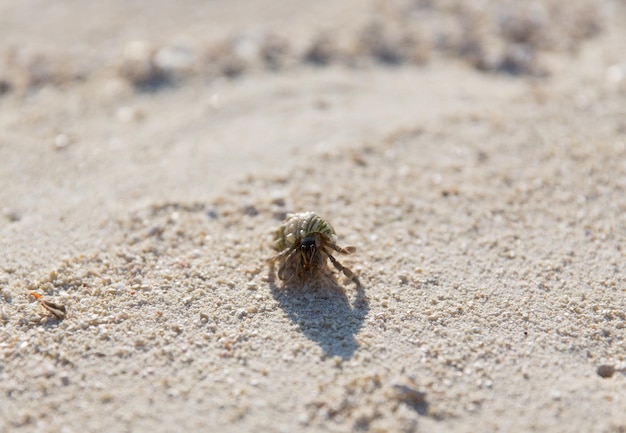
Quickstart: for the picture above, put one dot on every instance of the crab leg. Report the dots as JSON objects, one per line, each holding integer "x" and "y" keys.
{"x": 342, "y": 250}
{"x": 347, "y": 272}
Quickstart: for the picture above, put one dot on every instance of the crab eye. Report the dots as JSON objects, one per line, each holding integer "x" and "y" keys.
{"x": 308, "y": 243}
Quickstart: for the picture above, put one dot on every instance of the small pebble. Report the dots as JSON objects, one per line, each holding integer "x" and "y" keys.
{"x": 606, "y": 371}
{"x": 61, "y": 141}
{"x": 140, "y": 342}
{"x": 117, "y": 288}
{"x": 4, "y": 314}
{"x": 126, "y": 114}
{"x": 12, "y": 216}
{"x": 616, "y": 73}
{"x": 174, "y": 58}
{"x": 410, "y": 395}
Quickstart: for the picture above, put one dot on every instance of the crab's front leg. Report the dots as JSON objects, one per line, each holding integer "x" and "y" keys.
{"x": 342, "y": 250}
{"x": 347, "y": 272}
{"x": 286, "y": 262}
{"x": 284, "y": 253}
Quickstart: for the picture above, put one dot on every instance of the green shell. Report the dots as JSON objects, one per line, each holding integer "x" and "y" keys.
{"x": 298, "y": 226}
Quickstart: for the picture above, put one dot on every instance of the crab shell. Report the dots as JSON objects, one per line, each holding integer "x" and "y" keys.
{"x": 298, "y": 226}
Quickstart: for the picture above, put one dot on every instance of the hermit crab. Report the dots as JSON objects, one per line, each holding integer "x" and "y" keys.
{"x": 304, "y": 241}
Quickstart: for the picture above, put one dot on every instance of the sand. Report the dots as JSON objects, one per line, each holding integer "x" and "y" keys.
{"x": 474, "y": 156}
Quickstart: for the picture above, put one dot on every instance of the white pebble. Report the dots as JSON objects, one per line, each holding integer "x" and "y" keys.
{"x": 5, "y": 315}
{"x": 616, "y": 73}
{"x": 127, "y": 114}
{"x": 61, "y": 141}
{"x": 174, "y": 58}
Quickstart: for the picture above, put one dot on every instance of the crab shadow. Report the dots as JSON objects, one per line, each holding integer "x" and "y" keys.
{"x": 324, "y": 314}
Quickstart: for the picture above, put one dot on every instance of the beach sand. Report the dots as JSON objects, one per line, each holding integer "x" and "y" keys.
{"x": 475, "y": 157}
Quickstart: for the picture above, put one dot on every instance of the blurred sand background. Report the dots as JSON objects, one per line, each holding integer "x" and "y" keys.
{"x": 474, "y": 153}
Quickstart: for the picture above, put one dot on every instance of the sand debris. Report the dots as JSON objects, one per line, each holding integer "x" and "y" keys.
{"x": 57, "y": 310}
